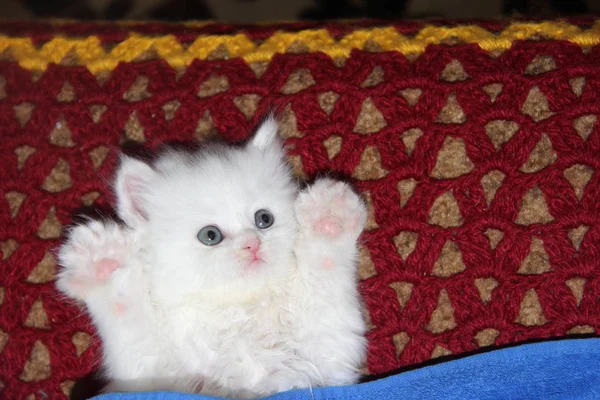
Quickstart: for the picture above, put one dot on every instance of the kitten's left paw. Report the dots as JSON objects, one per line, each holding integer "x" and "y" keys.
{"x": 330, "y": 208}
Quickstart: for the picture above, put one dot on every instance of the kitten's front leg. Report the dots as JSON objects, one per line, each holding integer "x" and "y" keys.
{"x": 331, "y": 218}
{"x": 90, "y": 258}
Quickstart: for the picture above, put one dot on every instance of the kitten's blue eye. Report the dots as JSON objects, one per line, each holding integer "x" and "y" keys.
{"x": 210, "y": 235}
{"x": 263, "y": 219}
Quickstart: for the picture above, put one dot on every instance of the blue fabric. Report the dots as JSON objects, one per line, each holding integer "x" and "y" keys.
{"x": 566, "y": 369}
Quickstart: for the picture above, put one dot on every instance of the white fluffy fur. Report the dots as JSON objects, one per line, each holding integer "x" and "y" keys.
{"x": 180, "y": 315}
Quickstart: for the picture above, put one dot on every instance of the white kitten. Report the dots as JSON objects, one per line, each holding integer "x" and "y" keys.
{"x": 226, "y": 280}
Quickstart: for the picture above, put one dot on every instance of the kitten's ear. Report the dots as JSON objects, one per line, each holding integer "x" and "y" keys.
{"x": 266, "y": 136}
{"x": 134, "y": 179}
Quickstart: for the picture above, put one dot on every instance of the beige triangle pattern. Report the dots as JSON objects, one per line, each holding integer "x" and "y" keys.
{"x": 452, "y": 160}
{"x": 581, "y": 330}
{"x": 486, "y": 337}
{"x": 170, "y": 108}
{"x": 297, "y": 166}
{"x": 541, "y": 156}
{"x": 577, "y": 286}
{"x": 214, "y": 85}
{"x": 61, "y": 134}
{"x": 495, "y": 236}
{"x": 411, "y": 95}
{"x": 537, "y": 261}
{"x": 15, "y": 200}
{"x": 485, "y": 287}
{"x": 400, "y": 340}
{"x": 98, "y": 155}
{"x": 579, "y": 175}
{"x": 259, "y": 68}
{"x": 493, "y": 90}
{"x": 327, "y": 101}
{"x": 500, "y": 131}
{"x": 44, "y": 271}
{"x": 97, "y": 110}
{"x": 67, "y": 93}
{"x": 369, "y": 166}
{"x": 540, "y": 64}
{"x": 445, "y": 211}
{"x": 37, "y": 317}
{"x": 536, "y": 105}
{"x": 440, "y": 351}
{"x": 333, "y": 145}
{"x": 205, "y": 128}
{"x": 50, "y": 227}
{"x": 138, "y": 90}
{"x": 452, "y": 112}
{"x": 577, "y": 85}
{"x": 576, "y": 235}
{"x": 288, "y": 125}
{"x": 442, "y": 318}
{"x": 298, "y": 80}
{"x": 450, "y": 262}
{"x": 375, "y": 78}
{"x": 8, "y": 247}
{"x": 23, "y": 113}
{"x": 403, "y": 292}
{"x": 454, "y": 72}
{"x": 406, "y": 188}
{"x": 81, "y": 341}
{"x": 37, "y": 367}
{"x": 90, "y": 198}
{"x": 66, "y": 387}
{"x": 406, "y": 243}
{"x": 369, "y": 119}
{"x": 371, "y": 222}
{"x": 3, "y": 341}
{"x": 59, "y": 178}
{"x": 134, "y": 131}
{"x": 247, "y": 104}
{"x": 366, "y": 268}
{"x": 531, "y": 312}
{"x": 584, "y": 125}
{"x": 534, "y": 209}
{"x": 410, "y": 138}
{"x": 23, "y": 153}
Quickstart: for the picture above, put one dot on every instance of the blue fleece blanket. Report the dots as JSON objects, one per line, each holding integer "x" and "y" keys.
{"x": 566, "y": 369}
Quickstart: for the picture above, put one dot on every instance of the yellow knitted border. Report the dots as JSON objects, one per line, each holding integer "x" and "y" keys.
{"x": 91, "y": 53}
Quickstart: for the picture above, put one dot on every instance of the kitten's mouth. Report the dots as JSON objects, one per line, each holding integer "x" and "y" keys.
{"x": 255, "y": 262}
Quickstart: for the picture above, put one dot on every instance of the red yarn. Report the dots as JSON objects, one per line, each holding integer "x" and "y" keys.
{"x": 470, "y": 313}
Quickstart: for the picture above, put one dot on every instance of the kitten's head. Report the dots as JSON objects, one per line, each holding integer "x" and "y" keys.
{"x": 218, "y": 218}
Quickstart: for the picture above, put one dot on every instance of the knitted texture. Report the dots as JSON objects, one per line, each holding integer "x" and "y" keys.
{"x": 477, "y": 153}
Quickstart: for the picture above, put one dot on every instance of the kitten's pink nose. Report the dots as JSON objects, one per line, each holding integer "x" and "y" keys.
{"x": 252, "y": 245}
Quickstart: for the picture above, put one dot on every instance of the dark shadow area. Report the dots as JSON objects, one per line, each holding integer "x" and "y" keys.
{"x": 264, "y": 10}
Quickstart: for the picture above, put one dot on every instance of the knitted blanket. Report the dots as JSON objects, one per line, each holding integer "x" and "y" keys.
{"x": 475, "y": 146}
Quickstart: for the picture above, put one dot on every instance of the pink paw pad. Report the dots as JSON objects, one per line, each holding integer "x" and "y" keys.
{"x": 328, "y": 263}
{"x": 328, "y": 226}
{"x": 120, "y": 308}
{"x": 105, "y": 267}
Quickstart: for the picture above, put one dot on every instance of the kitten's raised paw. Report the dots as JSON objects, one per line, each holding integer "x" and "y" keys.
{"x": 90, "y": 256}
{"x": 330, "y": 208}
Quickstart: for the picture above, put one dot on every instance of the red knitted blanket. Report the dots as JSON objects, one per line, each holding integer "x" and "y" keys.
{"x": 478, "y": 153}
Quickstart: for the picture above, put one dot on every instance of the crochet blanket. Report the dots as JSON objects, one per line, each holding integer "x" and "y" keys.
{"x": 476, "y": 147}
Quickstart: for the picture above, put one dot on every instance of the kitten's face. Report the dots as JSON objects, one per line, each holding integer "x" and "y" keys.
{"x": 219, "y": 217}
{"x": 203, "y": 218}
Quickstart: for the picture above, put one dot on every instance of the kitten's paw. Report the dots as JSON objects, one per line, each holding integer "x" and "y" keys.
{"x": 92, "y": 253}
{"x": 330, "y": 208}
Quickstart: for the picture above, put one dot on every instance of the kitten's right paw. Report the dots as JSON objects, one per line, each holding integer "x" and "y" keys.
{"x": 92, "y": 253}
{"x": 331, "y": 209}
